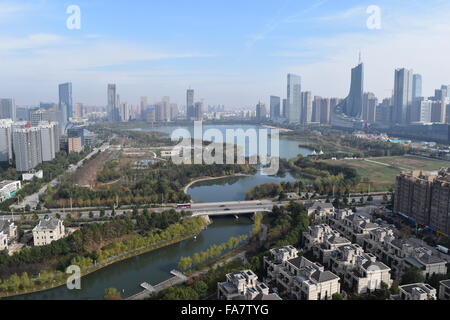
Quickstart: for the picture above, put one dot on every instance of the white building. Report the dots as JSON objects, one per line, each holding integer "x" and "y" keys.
{"x": 444, "y": 290}
{"x": 47, "y": 231}
{"x": 417, "y": 292}
{"x": 9, "y": 189}
{"x": 361, "y": 271}
{"x": 321, "y": 211}
{"x": 298, "y": 277}
{"x": 6, "y": 151}
{"x": 244, "y": 286}
{"x": 8, "y": 233}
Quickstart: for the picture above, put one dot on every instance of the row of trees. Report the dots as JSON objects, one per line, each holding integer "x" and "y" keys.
{"x": 212, "y": 252}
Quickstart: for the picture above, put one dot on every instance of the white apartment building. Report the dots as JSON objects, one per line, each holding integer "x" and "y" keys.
{"x": 244, "y": 285}
{"x": 359, "y": 270}
{"x": 8, "y": 233}
{"x": 353, "y": 226}
{"x": 417, "y": 292}
{"x": 444, "y": 290}
{"x": 322, "y": 240}
{"x": 320, "y": 212}
{"x": 6, "y": 151}
{"x": 298, "y": 277}
{"x": 403, "y": 254}
{"x": 47, "y": 231}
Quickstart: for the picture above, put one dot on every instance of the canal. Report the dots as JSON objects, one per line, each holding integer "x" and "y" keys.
{"x": 152, "y": 267}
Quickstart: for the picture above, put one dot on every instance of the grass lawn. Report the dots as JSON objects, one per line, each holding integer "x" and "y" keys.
{"x": 381, "y": 172}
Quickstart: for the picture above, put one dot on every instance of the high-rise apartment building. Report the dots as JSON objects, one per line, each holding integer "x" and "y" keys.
{"x": 27, "y": 147}
{"x": 316, "y": 105}
{"x": 65, "y": 99}
{"x": 8, "y": 109}
{"x": 403, "y": 95}
{"x": 325, "y": 111}
{"x": 49, "y": 140}
{"x": 6, "y": 151}
{"x": 293, "y": 104}
{"x": 370, "y": 103}
{"x": 425, "y": 197}
{"x": 307, "y": 107}
{"x": 190, "y": 111}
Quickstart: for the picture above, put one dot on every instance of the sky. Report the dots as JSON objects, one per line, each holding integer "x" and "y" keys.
{"x": 231, "y": 52}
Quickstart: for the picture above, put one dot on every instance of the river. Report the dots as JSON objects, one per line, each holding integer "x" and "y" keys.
{"x": 152, "y": 267}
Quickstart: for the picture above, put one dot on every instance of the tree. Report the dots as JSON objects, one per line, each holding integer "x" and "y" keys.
{"x": 413, "y": 275}
{"x": 201, "y": 288}
{"x": 337, "y": 296}
{"x": 185, "y": 263}
{"x": 91, "y": 215}
{"x": 112, "y": 294}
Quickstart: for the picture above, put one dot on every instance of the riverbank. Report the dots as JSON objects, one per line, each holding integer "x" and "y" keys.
{"x": 186, "y": 188}
{"x": 110, "y": 261}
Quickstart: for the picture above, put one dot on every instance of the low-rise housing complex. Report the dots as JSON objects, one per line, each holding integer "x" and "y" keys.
{"x": 8, "y": 233}
{"x": 444, "y": 290}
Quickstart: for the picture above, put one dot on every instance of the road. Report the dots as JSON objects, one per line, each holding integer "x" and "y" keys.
{"x": 33, "y": 199}
{"x": 198, "y": 210}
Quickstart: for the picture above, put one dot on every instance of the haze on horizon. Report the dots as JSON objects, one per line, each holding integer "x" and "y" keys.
{"x": 234, "y": 55}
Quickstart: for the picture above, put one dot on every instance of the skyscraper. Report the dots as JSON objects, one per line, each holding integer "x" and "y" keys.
{"x": 198, "y": 111}
{"x": 261, "y": 112}
{"x": 275, "y": 107}
{"x": 369, "y": 107}
{"x": 416, "y": 86}
{"x": 325, "y": 111}
{"x": 190, "y": 112}
{"x": 352, "y": 105}
{"x": 294, "y": 90}
{"x": 284, "y": 111}
{"x": 6, "y": 154}
{"x": 65, "y": 99}
{"x": 403, "y": 95}
{"x": 307, "y": 107}
{"x": 7, "y": 109}
{"x": 113, "y": 105}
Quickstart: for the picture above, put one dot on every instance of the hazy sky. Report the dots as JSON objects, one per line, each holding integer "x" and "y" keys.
{"x": 231, "y": 52}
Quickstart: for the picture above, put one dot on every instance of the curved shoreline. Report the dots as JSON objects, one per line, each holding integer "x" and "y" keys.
{"x": 190, "y": 184}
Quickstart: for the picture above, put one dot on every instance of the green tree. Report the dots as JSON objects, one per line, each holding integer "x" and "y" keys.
{"x": 413, "y": 275}
{"x": 337, "y": 296}
{"x": 112, "y": 294}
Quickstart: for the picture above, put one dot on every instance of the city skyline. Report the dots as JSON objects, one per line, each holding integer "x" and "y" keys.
{"x": 317, "y": 40}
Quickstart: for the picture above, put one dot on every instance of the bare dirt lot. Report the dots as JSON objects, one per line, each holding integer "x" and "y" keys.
{"x": 88, "y": 174}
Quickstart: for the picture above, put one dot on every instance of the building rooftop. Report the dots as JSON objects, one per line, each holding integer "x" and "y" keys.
{"x": 47, "y": 224}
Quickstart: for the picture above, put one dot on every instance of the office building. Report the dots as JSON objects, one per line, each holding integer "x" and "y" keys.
{"x": 261, "y": 112}
{"x": 65, "y": 99}
{"x": 352, "y": 105}
{"x": 199, "y": 111}
{"x": 293, "y": 104}
{"x": 275, "y": 107}
{"x": 403, "y": 95}
{"x": 113, "y": 105}
{"x": 416, "y": 86}
{"x": 190, "y": 110}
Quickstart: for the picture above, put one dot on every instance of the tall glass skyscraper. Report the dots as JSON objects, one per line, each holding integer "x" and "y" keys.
{"x": 65, "y": 99}
{"x": 352, "y": 105}
{"x": 275, "y": 107}
{"x": 190, "y": 109}
{"x": 294, "y": 105}
{"x": 403, "y": 94}
{"x": 416, "y": 86}
{"x": 113, "y": 104}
